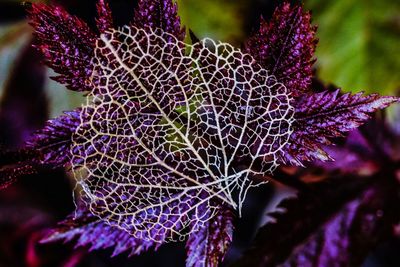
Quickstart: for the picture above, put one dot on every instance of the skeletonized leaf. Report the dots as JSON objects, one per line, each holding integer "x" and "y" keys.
{"x": 156, "y": 147}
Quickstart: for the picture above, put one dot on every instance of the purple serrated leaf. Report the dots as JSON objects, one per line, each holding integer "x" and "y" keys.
{"x": 66, "y": 42}
{"x": 53, "y": 142}
{"x": 86, "y": 230}
{"x": 319, "y": 117}
{"x": 161, "y": 14}
{"x": 285, "y": 46}
{"x": 208, "y": 246}
{"x": 104, "y": 20}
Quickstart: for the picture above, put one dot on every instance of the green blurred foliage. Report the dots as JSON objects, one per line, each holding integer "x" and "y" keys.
{"x": 359, "y": 47}
{"x": 60, "y": 99}
{"x": 216, "y": 19}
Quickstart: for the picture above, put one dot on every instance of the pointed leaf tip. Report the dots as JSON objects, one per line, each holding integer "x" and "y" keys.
{"x": 208, "y": 246}
{"x": 104, "y": 19}
{"x": 66, "y": 42}
{"x": 285, "y": 46}
{"x": 320, "y": 117}
{"x": 162, "y": 14}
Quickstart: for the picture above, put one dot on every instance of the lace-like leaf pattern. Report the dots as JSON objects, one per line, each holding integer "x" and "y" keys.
{"x": 155, "y": 151}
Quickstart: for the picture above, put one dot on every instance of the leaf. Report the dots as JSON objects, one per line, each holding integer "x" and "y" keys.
{"x": 104, "y": 20}
{"x": 66, "y": 43}
{"x": 328, "y": 226}
{"x": 91, "y": 232}
{"x": 54, "y": 141}
{"x": 353, "y": 156}
{"x": 322, "y": 116}
{"x": 350, "y": 235}
{"x": 358, "y": 41}
{"x": 156, "y": 148}
{"x": 162, "y": 14}
{"x": 285, "y": 46}
{"x": 208, "y": 246}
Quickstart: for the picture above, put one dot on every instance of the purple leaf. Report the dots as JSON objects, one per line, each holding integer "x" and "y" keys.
{"x": 355, "y": 155}
{"x": 66, "y": 43}
{"x": 53, "y": 142}
{"x": 162, "y": 14}
{"x": 208, "y": 246}
{"x": 327, "y": 226}
{"x": 320, "y": 117}
{"x": 91, "y": 232}
{"x": 104, "y": 20}
{"x": 285, "y": 46}
{"x": 347, "y": 238}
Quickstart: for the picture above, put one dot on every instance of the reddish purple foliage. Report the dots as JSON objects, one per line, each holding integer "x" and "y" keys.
{"x": 285, "y": 46}
{"x": 53, "y": 142}
{"x": 66, "y": 42}
{"x": 104, "y": 20}
{"x": 208, "y": 246}
{"x": 161, "y": 14}
{"x": 320, "y": 117}
{"x": 93, "y": 233}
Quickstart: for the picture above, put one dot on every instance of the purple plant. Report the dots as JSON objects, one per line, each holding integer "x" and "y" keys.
{"x": 174, "y": 134}
{"x": 344, "y": 209}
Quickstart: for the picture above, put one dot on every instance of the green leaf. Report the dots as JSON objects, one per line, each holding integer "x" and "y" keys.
{"x": 359, "y": 43}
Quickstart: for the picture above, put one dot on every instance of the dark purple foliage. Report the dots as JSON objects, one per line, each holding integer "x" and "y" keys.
{"x": 161, "y": 14}
{"x": 93, "y": 233}
{"x": 285, "y": 46}
{"x": 66, "y": 42}
{"x": 338, "y": 221}
{"x": 53, "y": 142}
{"x": 208, "y": 246}
{"x": 19, "y": 116}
